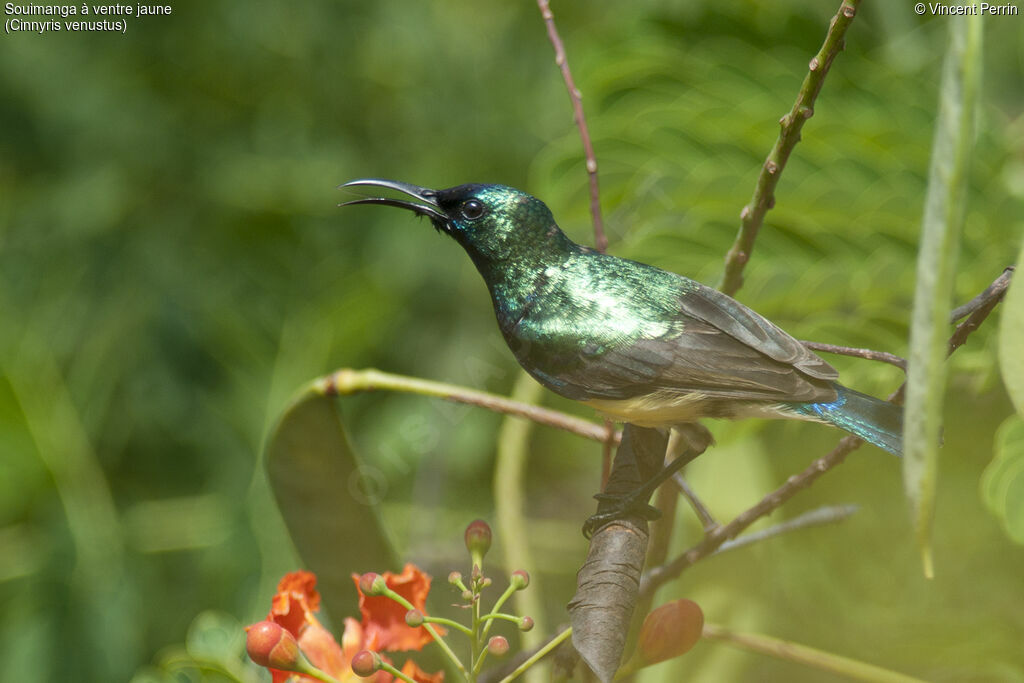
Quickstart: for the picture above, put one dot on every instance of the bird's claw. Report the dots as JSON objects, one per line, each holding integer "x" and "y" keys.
{"x": 619, "y": 506}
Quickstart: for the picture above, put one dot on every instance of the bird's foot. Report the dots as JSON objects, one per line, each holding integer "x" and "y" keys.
{"x": 620, "y": 506}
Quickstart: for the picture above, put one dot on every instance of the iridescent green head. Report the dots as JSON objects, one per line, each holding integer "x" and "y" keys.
{"x": 495, "y": 224}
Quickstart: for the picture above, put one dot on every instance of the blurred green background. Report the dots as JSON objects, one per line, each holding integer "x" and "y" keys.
{"x": 173, "y": 267}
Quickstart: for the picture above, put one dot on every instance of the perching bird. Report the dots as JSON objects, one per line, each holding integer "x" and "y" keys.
{"x": 639, "y": 344}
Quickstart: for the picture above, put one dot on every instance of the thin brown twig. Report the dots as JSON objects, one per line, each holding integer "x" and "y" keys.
{"x": 998, "y": 285}
{"x": 657, "y": 576}
{"x": 348, "y": 381}
{"x": 867, "y": 354}
{"x": 752, "y": 215}
{"x": 600, "y": 240}
{"x": 829, "y": 514}
{"x": 713, "y": 540}
{"x": 707, "y": 520}
{"x": 981, "y": 306}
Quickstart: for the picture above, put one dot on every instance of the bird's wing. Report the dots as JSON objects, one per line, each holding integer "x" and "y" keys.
{"x": 717, "y": 347}
{"x": 739, "y": 322}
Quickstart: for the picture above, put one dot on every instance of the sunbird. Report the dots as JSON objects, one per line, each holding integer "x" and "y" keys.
{"x": 638, "y": 343}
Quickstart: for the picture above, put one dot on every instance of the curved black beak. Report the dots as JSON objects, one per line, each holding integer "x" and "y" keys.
{"x": 428, "y": 198}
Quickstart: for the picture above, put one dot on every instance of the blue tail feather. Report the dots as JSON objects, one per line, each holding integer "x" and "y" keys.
{"x": 876, "y": 421}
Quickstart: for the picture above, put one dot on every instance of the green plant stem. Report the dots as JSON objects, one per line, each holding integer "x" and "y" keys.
{"x": 319, "y": 675}
{"x": 454, "y": 658}
{"x": 504, "y": 617}
{"x": 509, "y": 473}
{"x": 752, "y": 216}
{"x": 478, "y": 651}
{"x": 395, "y": 672}
{"x": 450, "y": 623}
{"x": 807, "y": 656}
{"x": 493, "y": 614}
{"x": 538, "y": 655}
{"x": 347, "y": 381}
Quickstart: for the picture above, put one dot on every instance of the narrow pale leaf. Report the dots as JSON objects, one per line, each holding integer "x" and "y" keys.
{"x": 328, "y": 500}
{"x": 941, "y": 226}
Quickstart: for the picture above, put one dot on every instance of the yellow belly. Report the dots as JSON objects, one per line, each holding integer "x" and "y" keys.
{"x": 652, "y": 410}
{"x": 665, "y": 409}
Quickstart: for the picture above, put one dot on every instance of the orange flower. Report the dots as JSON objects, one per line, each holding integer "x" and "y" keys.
{"x": 384, "y": 619}
{"x": 293, "y": 609}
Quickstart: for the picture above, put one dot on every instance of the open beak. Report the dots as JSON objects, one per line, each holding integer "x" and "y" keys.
{"x": 425, "y": 206}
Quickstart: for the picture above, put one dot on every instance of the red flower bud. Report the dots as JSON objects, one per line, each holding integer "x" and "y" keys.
{"x": 478, "y": 538}
{"x": 669, "y": 631}
{"x": 520, "y": 579}
{"x": 270, "y": 645}
{"x": 525, "y": 624}
{"x": 454, "y": 578}
{"x": 414, "y": 618}
{"x": 497, "y": 646}
{"x": 365, "y": 663}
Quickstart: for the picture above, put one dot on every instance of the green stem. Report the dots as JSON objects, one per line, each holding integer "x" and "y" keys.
{"x": 454, "y": 658}
{"x": 509, "y": 472}
{"x": 495, "y": 615}
{"x": 347, "y": 381}
{"x": 324, "y": 676}
{"x": 450, "y": 623}
{"x": 395, "y": 672}
{"x": 477, "y": 651}
{"x": 538, "y": 655}
{"x": 752, "y": 216}
{"x": 497, "y": 605}
{"x": 818, "y": 659}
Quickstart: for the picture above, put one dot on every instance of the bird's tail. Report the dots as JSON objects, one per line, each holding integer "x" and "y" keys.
{"x": 876, "y": 421}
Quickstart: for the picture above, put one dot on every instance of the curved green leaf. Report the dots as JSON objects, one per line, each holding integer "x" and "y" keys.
{"x": 1002, "y": 484}
{"x": 1011, "y": 341}
{"x": 328, "y": 499}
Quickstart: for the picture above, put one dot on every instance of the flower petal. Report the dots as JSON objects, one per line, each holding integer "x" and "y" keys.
{"x": 293, "y": 608}
{"x": 413, "y": 671}
{"x": 384, "y": 619}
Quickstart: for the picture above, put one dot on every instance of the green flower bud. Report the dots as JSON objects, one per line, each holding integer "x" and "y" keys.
{"x": 520, "y": 579}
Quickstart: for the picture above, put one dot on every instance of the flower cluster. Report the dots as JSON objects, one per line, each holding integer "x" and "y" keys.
{"x": 296, "y": 647}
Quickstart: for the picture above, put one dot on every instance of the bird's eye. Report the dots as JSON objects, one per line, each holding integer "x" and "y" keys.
{"x": 471, "y": 209}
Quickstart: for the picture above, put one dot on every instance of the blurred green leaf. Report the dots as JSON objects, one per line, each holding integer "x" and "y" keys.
{"x": 943, "y": 220}
{"x": 1002, "y": 485}
{"x": 1011, "y": 340}
{"x": 328, "y": 499}
{"x": 215, "y": 637}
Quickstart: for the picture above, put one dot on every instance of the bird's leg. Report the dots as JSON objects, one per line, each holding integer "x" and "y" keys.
{"x": 625, "y": 496}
